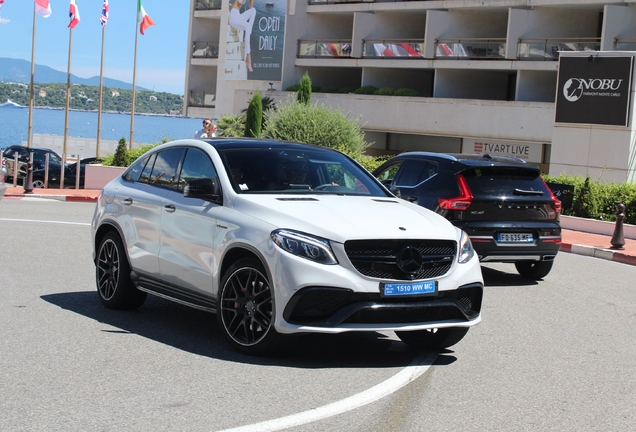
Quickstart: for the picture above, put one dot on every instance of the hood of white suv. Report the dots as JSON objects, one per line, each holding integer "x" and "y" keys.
{"x": 340, "y": 218}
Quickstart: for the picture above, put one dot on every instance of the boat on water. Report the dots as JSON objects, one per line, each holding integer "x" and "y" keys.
{"x": 10, "y": 104}
{"x": 269, "y": 4}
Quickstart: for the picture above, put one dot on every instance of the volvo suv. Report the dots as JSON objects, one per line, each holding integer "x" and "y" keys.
{"x": 502, "y": 202}
{"x": 279, "y": 238}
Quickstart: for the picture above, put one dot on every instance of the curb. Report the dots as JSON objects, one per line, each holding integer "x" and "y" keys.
{"x": 606, "y": 254}
{"x": 73, "y": 198}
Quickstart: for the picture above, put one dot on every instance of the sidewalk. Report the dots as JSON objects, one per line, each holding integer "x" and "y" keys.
{"x": 577, "y": 242}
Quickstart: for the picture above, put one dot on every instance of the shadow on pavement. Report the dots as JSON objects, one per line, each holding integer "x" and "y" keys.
{"x": 493, "y": 277}
{"x": 197, "y": 332}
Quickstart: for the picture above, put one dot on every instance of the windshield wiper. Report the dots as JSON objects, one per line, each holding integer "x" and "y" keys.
{"x": 528, "y": 192}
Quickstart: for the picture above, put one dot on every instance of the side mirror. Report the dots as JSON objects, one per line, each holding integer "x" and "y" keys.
{"x": 206, "y": 188}
{"x": 395, "y": 191}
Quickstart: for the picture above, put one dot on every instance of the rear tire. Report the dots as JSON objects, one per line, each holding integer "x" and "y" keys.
{"x": 434, "y": 339}
{"x": 246, "y": 308}
{"x": 112, "y": 272}
{"x": 534, "y": 269}
{"x": 38, "y": 183}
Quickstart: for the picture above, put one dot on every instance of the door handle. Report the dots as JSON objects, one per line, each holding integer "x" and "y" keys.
{"x": 170, "y": 208}
{"x": 127, "y": 201}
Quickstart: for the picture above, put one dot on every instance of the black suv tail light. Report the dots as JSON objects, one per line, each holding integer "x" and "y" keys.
{"x": 461, "y": 202}
{"x": 557, "y": 202}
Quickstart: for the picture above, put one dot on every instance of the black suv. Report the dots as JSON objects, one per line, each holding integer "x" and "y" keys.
{"x": 502, "y": 202}
{"x": 39, "y": 159}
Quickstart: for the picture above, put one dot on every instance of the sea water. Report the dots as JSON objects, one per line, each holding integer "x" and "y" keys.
{"x": 148, "y": 129}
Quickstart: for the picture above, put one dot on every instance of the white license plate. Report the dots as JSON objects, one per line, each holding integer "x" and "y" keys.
{"x": 515, "y": 238}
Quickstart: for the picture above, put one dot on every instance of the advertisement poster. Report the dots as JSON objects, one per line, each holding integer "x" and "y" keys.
{"x": 255, "y": 37}
{"x": 594, "y": 90}
{"x": 530, "y": 152}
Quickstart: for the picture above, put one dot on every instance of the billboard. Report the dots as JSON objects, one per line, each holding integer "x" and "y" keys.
{"x": 530, "y": 152}
{"x": 255, "y": 37}
{"x": 594, "y": 90}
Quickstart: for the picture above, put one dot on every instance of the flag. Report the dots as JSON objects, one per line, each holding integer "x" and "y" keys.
{"x": 1, "y": 1}
{"x": 73, "y": 15}
{"x": 143, "y": 19}
{"x": 104, "y": 17}
{"x": 42, "y": 7}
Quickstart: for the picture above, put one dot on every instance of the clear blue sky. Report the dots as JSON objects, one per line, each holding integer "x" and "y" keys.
{"x": 161, "y": 52}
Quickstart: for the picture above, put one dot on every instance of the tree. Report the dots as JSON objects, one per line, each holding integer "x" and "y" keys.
{"x": 121, "y": 154}
{"x": 254, "y": 116}
{"x": 585, "y": 204}
{"x": 316, "y": 124}
{"x": 304, "y": 93}
{"x": 231, "y": 126}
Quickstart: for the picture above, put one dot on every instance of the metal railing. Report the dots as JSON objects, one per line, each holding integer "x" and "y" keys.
{"x": 205, "y": 50}
{"x": 625, "y": 43}
{"x": 207, "y": 5}
{"x": 336, "y": 48}
{"x": 471, "y": 48}
{"x": 202, "y": 99}
{"x": 548, "y": 49}
{"x": 391, "y": 48}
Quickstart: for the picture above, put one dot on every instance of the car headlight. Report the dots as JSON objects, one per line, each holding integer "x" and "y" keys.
{"x": 305, "y": 246}
{"x": 466, "y": 251}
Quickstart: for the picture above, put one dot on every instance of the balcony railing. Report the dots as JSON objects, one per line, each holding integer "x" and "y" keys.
{"x": 391, "y": 48}
{"x": 207, "y": 5}
{"x": 336, "y": 48}
{"x": 205, "y": 50}
{"x": 625, "y": 43}
{"x": 202, "y": 99}
{"x": 548, "y": 49}
{"x": 471, "y": 48}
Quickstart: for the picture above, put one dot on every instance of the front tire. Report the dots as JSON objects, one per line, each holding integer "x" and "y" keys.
{"x": 534, "y": 269}
{"x": 112, "y": 273}
{"x": 434, "y": 339}
{"x": 38, "y": 183}
{"x": 246, "y": 308}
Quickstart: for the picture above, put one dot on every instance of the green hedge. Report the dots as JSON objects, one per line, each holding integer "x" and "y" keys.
{"x": 598, "y": 200}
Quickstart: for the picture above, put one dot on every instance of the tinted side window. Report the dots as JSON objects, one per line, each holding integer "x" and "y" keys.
{"x": 166, "y": 168}
{"x": 196, "y": 165}
{"x": 132, "y": 173}
{"x": 415, "y": 172}
{"x": 145, "y": 174}
{"x": 388, "y": 174}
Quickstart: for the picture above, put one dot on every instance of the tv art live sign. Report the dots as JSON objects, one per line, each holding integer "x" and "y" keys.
{"x": 530, "y": 152}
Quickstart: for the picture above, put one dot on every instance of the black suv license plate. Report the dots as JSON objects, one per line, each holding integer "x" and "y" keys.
{"x": 514, "y": 238}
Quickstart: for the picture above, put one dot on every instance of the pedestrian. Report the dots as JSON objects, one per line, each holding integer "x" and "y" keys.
{"x": 206, "y": 125}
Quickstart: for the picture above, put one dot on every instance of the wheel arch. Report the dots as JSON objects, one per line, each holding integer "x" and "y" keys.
{"x": 105, "y": 228}
{"x": 238, "y": 252}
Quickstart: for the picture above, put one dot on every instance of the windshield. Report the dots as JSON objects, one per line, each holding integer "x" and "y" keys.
{"x": 297, "y": 171}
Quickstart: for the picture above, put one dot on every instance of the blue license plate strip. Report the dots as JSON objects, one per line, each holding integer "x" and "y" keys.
{"x": 408, "y": 289}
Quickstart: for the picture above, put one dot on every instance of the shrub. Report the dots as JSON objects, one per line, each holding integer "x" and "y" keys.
{"x": 369, "y": 90}
{"x": 347, "y": 90}
{"x": 385, "y": 91}
{"x": 132, "y": 155}
{"x": 315, "y": 89}
{"x": 584, "y": 203}
{"x": 372, "y": 162}
{"x": 315, "y": 124}
{"x": 254, "y": 116}
{"x": 406, "y": 92}
{"x": 293, "y": 88}
{"x": 121, "y": 154}
{"x": 304, "y": 93}
{"x": 231, "y": 126}
{"x": 330, "y": 89}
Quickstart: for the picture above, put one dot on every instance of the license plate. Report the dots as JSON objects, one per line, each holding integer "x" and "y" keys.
{"x": 408, "y": 289}
{"x": 515, "y": 238}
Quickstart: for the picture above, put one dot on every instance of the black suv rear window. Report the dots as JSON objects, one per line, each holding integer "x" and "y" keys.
{"x": 505, "y": 181}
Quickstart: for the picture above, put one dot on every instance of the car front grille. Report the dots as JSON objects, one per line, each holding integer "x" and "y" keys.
{"x": 381, "y": 258}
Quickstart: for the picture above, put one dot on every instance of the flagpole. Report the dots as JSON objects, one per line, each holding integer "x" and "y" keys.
{"x": 68, "y": 103}
{"x": 101, "y": 86}
{"x": 132, "y": 111}
{"x": 31, "y": 92}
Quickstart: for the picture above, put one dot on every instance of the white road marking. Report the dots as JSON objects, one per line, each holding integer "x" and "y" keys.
{"x": 45, "y": 221}
{"x": 410, "y": 373}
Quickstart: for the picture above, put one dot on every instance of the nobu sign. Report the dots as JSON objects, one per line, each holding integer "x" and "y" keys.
{"x": 594, "y": 90}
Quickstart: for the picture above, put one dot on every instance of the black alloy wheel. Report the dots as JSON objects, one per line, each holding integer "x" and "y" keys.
{"x": 114, "y": 286}
{"x": 534, "y": 269}
{"x": 246, "y": 308}
{"x": 433, "y": 339}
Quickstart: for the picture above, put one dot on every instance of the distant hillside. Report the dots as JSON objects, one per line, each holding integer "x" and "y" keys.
{"x": 19, "y": 71}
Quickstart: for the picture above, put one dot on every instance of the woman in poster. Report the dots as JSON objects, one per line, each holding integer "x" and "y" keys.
{"x": 244, "y": 21}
